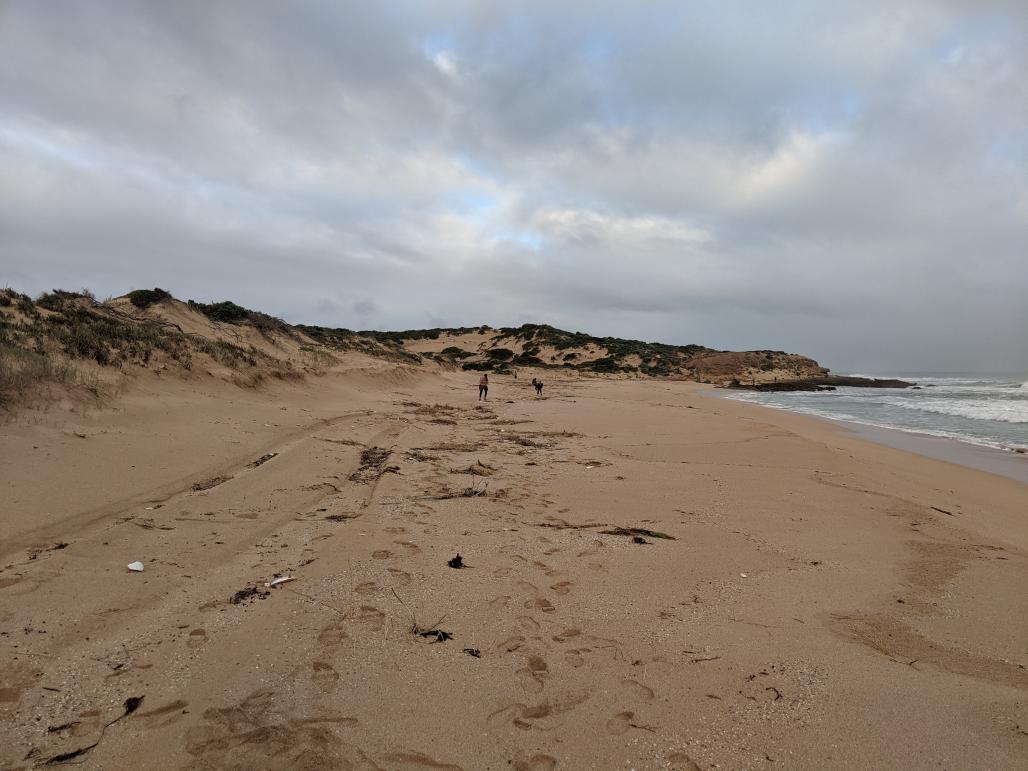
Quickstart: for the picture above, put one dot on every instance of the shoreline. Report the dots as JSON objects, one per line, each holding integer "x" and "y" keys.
{"x": 1002, "y": 462}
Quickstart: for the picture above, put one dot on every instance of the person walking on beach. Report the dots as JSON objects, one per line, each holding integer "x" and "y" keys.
{"x": 483, "y": 387}
{"x": 538, "y": 384}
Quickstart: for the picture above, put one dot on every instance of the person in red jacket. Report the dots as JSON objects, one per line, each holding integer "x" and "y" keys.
{"x": 483, "y": 387}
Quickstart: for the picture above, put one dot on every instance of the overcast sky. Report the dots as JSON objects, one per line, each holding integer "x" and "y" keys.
{"x": 847, "y": 180}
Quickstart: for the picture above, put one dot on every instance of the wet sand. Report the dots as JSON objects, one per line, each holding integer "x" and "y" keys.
{"x": 821, "y": 602}
{"x": 995, "y": 461}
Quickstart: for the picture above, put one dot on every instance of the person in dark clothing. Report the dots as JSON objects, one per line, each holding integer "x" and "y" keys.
{"x": 538, "y": 386}
{"x": 483, "y": 387}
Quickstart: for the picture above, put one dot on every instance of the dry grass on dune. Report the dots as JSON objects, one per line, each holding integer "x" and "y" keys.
{"x": 64, "y": 339}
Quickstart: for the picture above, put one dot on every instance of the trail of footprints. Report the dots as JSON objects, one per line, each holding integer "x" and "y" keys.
{"x": 543, "y": 653}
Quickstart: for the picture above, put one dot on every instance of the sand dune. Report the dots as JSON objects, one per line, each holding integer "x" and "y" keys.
{"x": 820, "y": 602}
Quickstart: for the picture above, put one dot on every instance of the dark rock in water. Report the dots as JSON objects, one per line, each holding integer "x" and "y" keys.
{"x": 787, "y": 385}
{"x": 828, "y": 383}
{"x": 864, "y": 382}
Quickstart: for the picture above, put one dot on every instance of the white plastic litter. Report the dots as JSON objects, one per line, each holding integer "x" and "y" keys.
{"x": 279, "y": 580}
{"x": 135, "y": 567}
{"x": 744, "y": 575}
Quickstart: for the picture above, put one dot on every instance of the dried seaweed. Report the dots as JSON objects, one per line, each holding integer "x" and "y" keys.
{"x": 637, "y": 531}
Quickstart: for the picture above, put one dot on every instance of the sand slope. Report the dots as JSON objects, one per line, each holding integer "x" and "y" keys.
{"x": 824, "y": 603}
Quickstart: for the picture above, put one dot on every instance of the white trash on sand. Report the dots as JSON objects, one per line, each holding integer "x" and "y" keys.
{"x": 135, "y": 567}
{"x": 280, "y": 580}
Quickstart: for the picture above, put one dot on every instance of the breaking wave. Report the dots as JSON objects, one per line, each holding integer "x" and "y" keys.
{"x": 1004, "y": 411}
{"x": 989, "y": 410}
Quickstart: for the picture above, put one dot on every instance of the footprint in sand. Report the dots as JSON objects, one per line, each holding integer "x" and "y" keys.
{"x": 528, "y": 623}
{"x": 165, "y": 715}
{"x": 366, "y": 588}
{"x": 255, "y": 734}
{"x": 501, "y": 572}
{"x": 564, "y": 587}
{"x": 505, "y": 714}
{"x": 572, "y": 659}
{"x": 371, "y": 617}
{"x": 637, "y": 690}
{"x": 400, "y": 577}
{"x": 511, "y": 644}
{"x": 528, "y": 681}
{"x": 596, "y": 545}
{"x": 332, "y": 635}
{"x": 679, "y": 761}
{"x": 324, "y": 675}
{"x": 519, "y": 715}
{"x": 89, "y": 721}
{"x": 567, "y": 634}
{"x": 396, "y": 530}
{"x": 541, "y": 603}
{"x": 499, "y": 603}
{"x": 536, "y": 763}
{"x": 381, "y": 554}
{"x": 197, "y": 637}
{"x": 533, "y": 676}
{"x": 620, "y": 723}
{"x": 408, "y": 547}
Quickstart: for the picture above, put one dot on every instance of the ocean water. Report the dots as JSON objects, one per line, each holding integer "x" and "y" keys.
{"x": 989, "y": 410}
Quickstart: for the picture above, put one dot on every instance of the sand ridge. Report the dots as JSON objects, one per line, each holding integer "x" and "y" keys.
{"x": 820, "y": 602}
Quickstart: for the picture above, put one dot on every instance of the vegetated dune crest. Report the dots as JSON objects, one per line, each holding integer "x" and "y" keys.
{"x": 67, "y": 344}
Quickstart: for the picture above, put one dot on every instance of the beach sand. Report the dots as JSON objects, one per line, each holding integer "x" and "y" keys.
{"x": 821, "y": 602}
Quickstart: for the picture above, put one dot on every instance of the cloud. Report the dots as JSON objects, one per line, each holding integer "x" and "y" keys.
{"x": 844, "y": 180}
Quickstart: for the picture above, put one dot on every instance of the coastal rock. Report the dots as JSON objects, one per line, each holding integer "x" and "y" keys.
{"x": 830, "y": 383}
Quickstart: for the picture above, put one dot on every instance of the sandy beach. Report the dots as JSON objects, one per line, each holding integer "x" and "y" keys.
{"x": 652, "y": 578}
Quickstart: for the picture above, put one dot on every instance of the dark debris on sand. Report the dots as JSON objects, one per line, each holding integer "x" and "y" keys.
{"x": 373, "y": 465}
{"x": 207, "y": 484}
{"x": 248, "y": 594}
{"x": 637, "y": 531}
{"x": 438, "y": 634}
{"x": 262, "y": 460}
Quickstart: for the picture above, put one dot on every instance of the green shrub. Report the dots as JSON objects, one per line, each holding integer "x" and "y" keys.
{"x": 454, "y": 352}
{"x": 227, "y": 311}
{"x": 607, "y": 364}
{"x": 144, "y": 298}
{"x": 528, "y": 360}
